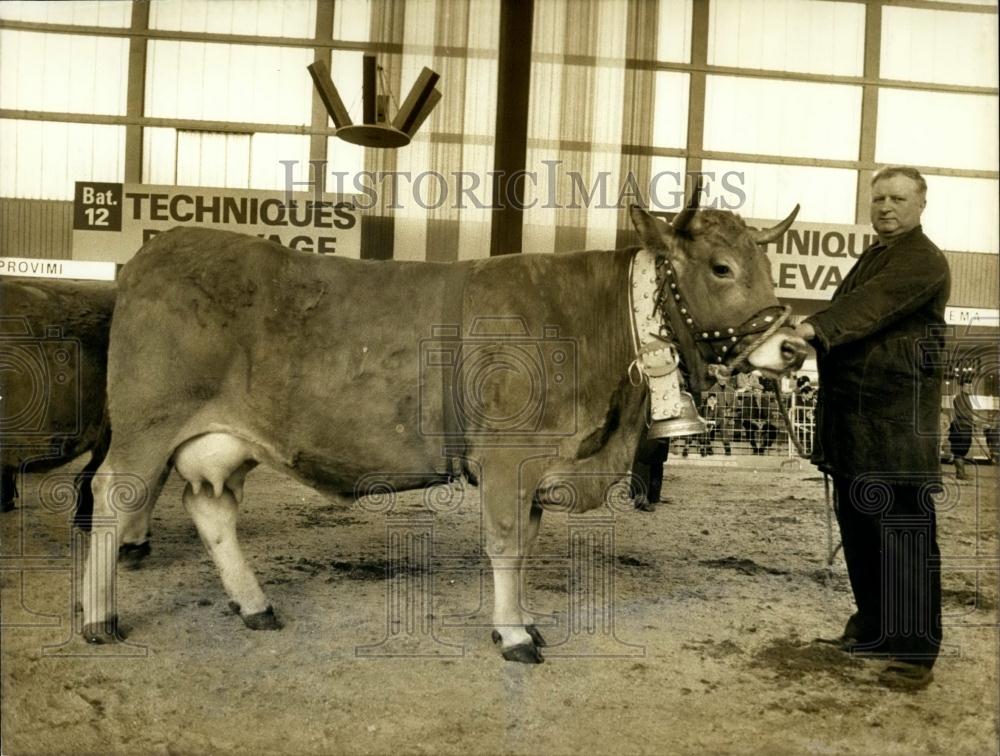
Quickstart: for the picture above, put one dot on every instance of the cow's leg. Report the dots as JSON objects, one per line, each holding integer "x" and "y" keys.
{"x": 214, "y": 465}
{"x": 122, "y": 500}
{"x": 8, "y": 488}
{"x": 507, "y": 518}
{"x": 85, "y": 479}
{"x": 215, "y": 518}
{"x": 529, "y": 539}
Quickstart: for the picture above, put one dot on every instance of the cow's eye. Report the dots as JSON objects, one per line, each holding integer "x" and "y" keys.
{"x": 722, "y": 271}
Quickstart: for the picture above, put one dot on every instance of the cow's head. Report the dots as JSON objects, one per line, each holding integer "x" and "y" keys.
{"x": 723, "y": 289}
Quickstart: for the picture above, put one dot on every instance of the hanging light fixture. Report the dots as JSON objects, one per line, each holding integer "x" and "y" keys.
{"x": 376, "y": 130}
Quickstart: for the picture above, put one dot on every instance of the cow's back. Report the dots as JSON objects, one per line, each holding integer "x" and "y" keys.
{"x": 317, "y": 357}
{"x": 54, "y": 352}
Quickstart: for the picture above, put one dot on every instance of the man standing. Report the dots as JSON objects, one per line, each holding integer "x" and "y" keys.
{"x": 876, "y": 417}
{"x": 725, "y": 412}
{"x": 961, "y": 428}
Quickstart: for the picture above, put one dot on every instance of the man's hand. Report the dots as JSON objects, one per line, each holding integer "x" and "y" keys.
{"x": 805, "y": 331}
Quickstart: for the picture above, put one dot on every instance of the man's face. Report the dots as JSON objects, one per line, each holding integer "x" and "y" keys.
{"x": 896, "y": 206}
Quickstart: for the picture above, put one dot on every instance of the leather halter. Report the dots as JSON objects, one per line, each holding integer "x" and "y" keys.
{"x": 716, "y": 348}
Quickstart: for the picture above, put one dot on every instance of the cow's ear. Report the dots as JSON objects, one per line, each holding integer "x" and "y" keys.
{"x": 653, "y": 232}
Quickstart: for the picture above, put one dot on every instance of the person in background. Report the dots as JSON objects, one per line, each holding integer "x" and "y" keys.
{"x": 961, "y": 429}
{"x": 646, "y": 479}
{"x": 725, "y": 412}
{"x": 805, "y": 392}
{"x": 805, "y": 401}
{"x": 876, "y": 429}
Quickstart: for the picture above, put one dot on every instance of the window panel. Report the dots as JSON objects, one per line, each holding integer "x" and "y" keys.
{"x": 939, "y": 46}
{"x": 937, "y": 128}
{"x": 346, "y": 74}
{"x": 774, "y": 117}
{"x": 347, "y": 158}
{"x": 788, "y": 35}
{"x": 90, "y": 13}
{"x": 609, "y": 83}
{"x": 827, "y": 195}
{"x": 245, "y": 83}
{"x": 352, "y": 20}
{"x": 971, "y": 2}
{"x": 666, "y": 183}
{"x": 673, "y": 39}
{"x": 159, "y": 156}
{"x": 266, "y": 153}
{"x": 485, "y": 34}
{"x": 41, "y": 160}
{"x": 670, "y": 118}
{"x": 211, "y": 159}
{"x": 961, "y": 213}
{"x": 419, "y": 22}
{"x": 544, "y": 92}
{"x": 67, "y": 73}
{"x": 480, "y": 96}
{"x": 268, "y": 18}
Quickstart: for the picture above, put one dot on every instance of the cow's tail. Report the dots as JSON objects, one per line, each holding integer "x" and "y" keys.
{"x": 83, "y": 482}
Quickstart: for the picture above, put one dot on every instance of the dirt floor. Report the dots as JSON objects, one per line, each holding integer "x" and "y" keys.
{"x": 685, "y": 630}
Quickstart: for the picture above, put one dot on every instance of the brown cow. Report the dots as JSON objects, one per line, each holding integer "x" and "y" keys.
{"x": 53, "y": 361}
{"x": 228, "y": 351}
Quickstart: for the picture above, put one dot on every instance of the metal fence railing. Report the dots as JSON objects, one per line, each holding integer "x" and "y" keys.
{"x": 751, "y": 426}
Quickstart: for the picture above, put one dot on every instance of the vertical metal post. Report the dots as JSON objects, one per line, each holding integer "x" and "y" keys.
{"x": 511, "y": 134}
{"x": 696, "y": 90}
{"x": 135, "y": 98}
{"x": 869, "y": 109}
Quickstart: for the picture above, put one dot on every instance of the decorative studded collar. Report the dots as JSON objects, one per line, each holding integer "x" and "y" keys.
{"x": 716, "y": 347}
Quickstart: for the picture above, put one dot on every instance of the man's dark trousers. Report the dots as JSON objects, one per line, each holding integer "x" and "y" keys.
{"x": 894, "y": 565}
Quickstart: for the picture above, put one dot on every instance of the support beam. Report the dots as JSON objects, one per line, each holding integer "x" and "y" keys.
{"x": 696, "y": 90}
{"x": 511, "y": 150}
{"x": 317, "y": 141}
{"x": 135, "y": 97}
{"x": 869, "y": 110}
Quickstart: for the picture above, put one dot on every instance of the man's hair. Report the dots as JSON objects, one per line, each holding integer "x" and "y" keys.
{"x": 901, "y": 170}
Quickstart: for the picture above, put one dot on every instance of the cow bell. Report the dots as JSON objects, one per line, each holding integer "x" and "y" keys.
{"x": 687, "y": 423}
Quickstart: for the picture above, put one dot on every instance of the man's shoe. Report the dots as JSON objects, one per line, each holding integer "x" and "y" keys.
{"x": 905, "y": 676}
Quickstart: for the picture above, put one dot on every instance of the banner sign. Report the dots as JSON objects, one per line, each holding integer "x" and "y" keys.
{"x": 811, "y": 260}
{"x": 111, "y": 221}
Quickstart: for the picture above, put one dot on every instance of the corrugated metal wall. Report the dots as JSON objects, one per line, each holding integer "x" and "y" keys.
{"x": 36, "y": 228}
{"x": 975, "y": 279}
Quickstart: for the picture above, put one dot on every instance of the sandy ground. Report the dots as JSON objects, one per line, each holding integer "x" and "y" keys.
{"x": 686, "y": 630}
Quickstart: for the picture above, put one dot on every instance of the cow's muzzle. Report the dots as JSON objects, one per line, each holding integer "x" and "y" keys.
{"x": 781, "y": 353}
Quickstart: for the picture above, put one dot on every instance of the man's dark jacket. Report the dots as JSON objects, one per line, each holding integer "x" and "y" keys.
{"x": 878, "y": 349}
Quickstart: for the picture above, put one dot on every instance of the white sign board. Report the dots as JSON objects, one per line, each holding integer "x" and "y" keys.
{"x": 75, "y": 269}
{"x": 111, "y": 221}
{"x": 977, "y": 316}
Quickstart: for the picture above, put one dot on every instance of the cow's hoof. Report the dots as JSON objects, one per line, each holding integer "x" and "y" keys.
{"x": 265, "y": 620}
{"x": 525, "y": 653}
{"x": 536, "y": 636}
{"x": 100, "y": 633}
{"x": 7, "y": 506}
{"x": 131, "y": 554}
